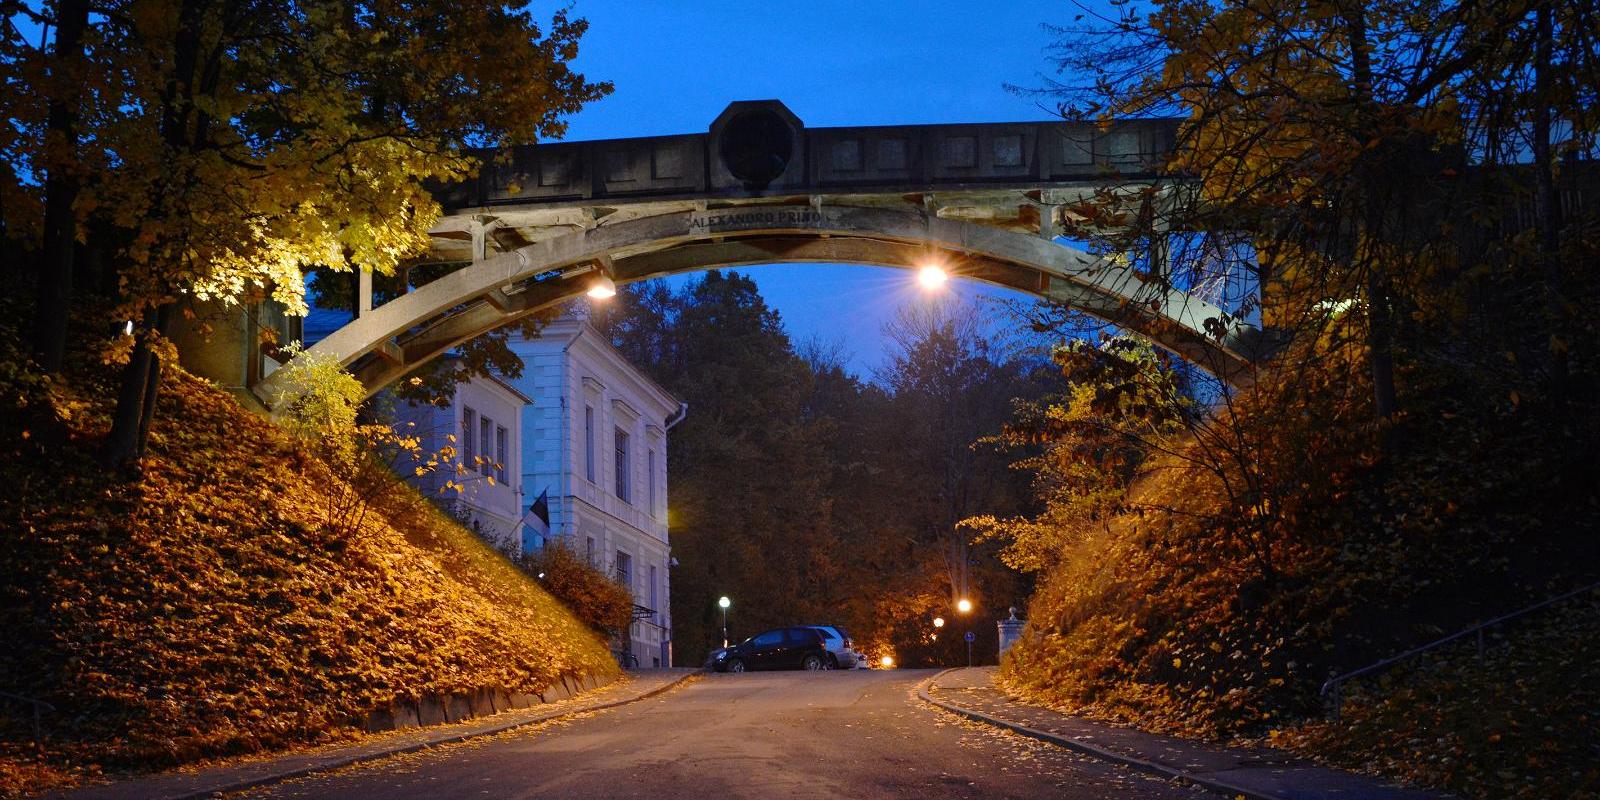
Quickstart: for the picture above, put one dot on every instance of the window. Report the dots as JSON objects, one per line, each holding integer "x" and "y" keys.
{"x": 650, "y": 478}
{"x": 625, "y": 569}
{"x": 588, "y": 550}
{"x": 802, "y": 636}
{"x": 768, "y": 639}
{"x": 654, "y": 600}
{"x": 622, "y": 467}
{"x": 501, "y": 456}
{"x": 485, "y": 430}
{"x": 588, "y": 443}
{"x": 469, "y": 430}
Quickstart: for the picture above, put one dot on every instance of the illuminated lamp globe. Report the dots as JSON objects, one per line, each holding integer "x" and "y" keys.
{"x": 887, "y": 661}
{"x": 932, "y": 277}
{"x": 602, "y": 288}
{"x": 938, "y": 622}
{"x": 964, "y": 605}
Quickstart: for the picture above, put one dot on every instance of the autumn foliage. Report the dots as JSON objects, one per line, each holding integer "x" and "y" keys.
{"x": 205, "y": 609}
{"x": 595, "y": 598}
{"x": 1219, "y": 594}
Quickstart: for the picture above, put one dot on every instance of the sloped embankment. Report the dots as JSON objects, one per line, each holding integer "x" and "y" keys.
{"x": 1181, "y": 616}
{"x": 202, "y": 610}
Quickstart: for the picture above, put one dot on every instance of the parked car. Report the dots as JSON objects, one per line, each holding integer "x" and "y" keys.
{"x": 780, "y": 648}
{"x": 713, "y": 656}
{"x": 841, "y": 650}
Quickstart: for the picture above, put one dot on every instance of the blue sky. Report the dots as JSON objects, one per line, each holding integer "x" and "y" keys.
{"x": 677, "y": 64}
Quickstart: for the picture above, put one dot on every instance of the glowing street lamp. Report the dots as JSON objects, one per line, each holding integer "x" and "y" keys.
{"x": 723, "y": 602}
{"x": 932, "y": 276}
{"x": 602, "y": 287}
{"x": 886, "y": 661}
{"x": 965, "y": 607}
{"x": 938, "y": 622}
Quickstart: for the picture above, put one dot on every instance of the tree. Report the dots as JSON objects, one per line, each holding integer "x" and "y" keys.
{"x": 1122, "y": 402}
{"x": 249, "y": 142}
{"x": 808, "y": 495}
{"x": 1335, "y": 136}
{"x": 61, "y": 161}
{"x": 952, "y": 384}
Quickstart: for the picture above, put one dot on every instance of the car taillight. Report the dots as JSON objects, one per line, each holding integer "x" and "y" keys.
{"x": 849, "y": 645}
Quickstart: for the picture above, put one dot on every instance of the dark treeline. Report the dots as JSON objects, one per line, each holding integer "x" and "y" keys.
{"x": 807, "y": 495}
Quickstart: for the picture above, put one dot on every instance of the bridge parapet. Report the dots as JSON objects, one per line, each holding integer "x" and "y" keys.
{"x": 870, "y": 159}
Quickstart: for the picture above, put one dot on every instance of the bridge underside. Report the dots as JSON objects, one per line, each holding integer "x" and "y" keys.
{"x": 985, "y": 202}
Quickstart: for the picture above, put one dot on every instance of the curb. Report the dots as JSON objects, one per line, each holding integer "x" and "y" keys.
{"x": 1148, "y": 767}
{"x": 357, "y": 758}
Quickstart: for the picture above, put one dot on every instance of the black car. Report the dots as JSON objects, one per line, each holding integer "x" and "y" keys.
{"x": 780, "y": 648}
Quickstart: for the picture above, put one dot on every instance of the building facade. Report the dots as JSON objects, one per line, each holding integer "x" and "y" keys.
{"x": 483, "y": 426}
{"x": 594, "y": 442}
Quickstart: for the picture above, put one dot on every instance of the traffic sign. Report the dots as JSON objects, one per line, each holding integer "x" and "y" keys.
{"x": 971, "y": 636}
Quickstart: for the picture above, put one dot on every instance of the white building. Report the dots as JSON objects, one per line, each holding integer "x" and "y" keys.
{"x": 485, "y": 418}
{"x": 594, "y": 440}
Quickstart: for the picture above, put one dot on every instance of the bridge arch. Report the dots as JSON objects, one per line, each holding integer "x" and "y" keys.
{"x": 984, "y": 200}
{"x": 397, "y": 337}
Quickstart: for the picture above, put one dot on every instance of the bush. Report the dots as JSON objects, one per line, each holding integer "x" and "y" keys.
{"x": 589, "y": 592}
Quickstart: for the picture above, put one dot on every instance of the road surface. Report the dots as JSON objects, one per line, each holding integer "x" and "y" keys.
{"x": 851, "y": 734}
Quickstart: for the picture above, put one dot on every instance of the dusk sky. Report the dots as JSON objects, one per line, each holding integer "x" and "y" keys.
{"x": 676, "y": 65}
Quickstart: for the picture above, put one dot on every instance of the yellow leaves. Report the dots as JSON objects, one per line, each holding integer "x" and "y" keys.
{"x": 227, "y": 621}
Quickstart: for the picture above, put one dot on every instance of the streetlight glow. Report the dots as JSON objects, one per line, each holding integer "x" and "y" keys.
{"x": 887, "y": 661}
{"x": 938, "y": 622}
{"x": 964, "y": 605}
{"x": 932, "y": 276}
{"x": 602, "y": 287}
{"x": 723, "y": 602}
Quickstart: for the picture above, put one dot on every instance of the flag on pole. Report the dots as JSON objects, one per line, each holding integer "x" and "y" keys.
{"x": 538, "y": 521}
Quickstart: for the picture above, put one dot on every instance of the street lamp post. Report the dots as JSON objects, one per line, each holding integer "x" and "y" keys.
{"x": 724, "y": 602}
{"x": 965, "y": 607}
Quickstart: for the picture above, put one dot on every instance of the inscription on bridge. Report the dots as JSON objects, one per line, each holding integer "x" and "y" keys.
{"x": 762, "y": 219}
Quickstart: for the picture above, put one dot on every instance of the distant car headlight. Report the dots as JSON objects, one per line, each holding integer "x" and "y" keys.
{"x": 721, "y": 656}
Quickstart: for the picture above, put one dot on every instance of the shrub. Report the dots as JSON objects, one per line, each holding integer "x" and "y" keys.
{"x": 589, "y": 592}
{"x": 318, "y": 402}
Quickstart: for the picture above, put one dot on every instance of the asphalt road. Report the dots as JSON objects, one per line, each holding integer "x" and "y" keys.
{"x": 850, "y": 734}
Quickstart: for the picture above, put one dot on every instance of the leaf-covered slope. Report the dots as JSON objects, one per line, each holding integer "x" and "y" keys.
{"x": 201, "y": 610}
{"x": 1165, "y": 616}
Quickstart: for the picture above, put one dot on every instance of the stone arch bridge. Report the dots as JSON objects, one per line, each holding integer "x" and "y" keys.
{"x": 985, "y": 201}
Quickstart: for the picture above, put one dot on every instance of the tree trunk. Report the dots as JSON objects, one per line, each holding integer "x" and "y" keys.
{"x": 136, "y": 396}
{"x": 141, "y": 379}
{"x": 1380, "y": 313}
{"x": 60, "y": 190}
{"x": 1547, "y": 207}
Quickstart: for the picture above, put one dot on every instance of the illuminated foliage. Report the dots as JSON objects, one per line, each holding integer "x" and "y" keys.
{"x": 206, "y": 608}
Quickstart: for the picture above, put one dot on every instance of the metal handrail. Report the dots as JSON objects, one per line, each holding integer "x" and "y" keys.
{"x": 37, "y": 706}
{"x": 1332, "y": 684}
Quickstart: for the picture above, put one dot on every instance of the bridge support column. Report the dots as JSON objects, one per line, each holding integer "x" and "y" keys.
{"x": 223, "y": 343}
{"x": 363, "y": 292}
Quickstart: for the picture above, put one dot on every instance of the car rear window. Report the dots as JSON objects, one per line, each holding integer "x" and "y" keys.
{"x": 827, "y": 632}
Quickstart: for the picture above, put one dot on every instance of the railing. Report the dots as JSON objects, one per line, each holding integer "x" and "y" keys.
{"x": 38, "y": 706}
{"x": 1330, "y": 689}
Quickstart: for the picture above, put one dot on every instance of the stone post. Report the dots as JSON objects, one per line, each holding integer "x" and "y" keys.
{"x": 1010, "y": 630}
